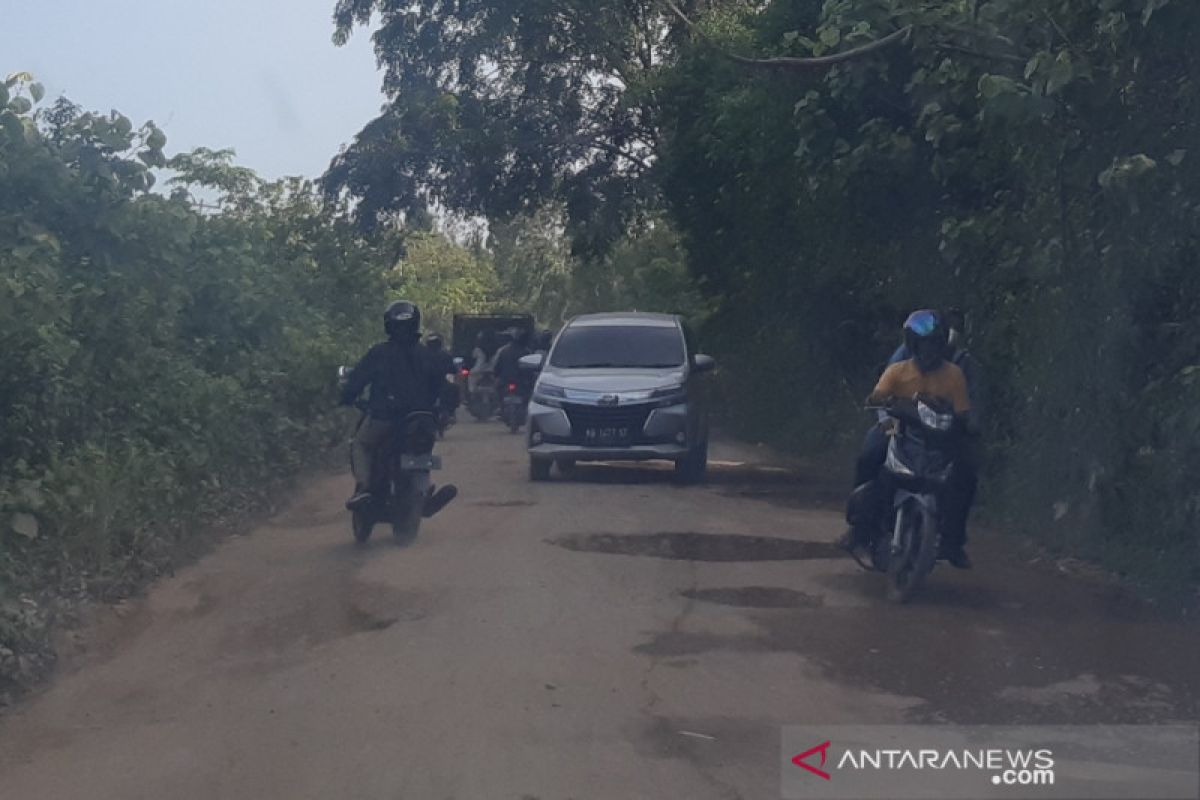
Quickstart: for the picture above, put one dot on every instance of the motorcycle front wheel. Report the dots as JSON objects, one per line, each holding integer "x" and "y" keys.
{"x": 913, "y": 559}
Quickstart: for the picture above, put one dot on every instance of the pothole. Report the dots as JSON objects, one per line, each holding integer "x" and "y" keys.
{"x": 755, "y": 597}
{"x": 700, "y": 546}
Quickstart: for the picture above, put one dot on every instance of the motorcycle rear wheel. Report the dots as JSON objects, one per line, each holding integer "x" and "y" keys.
{"x": 363, "y": 523}
{"x": 407, "y": 512}
{"x": 482, "y": 407}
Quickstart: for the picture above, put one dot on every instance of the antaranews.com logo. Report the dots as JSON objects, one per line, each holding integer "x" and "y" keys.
{"x": 1006, "y": 767}
{"x": 943, "y": 761}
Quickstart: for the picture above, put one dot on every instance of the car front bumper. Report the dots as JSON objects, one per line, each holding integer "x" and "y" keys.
{"x": 551, "y": 436}
{"x": 635, "y": 452}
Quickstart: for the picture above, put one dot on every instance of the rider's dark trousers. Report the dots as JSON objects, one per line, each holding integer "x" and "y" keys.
{"x": 871, "y": 457}
{"x": 958, "y": 497}
{"x": 370, "y": 436}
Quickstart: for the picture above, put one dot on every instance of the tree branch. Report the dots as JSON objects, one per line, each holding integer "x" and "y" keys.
{"x": 967, "y": 51}
{"x": 790, "y": 63}
{"x": 597, "y": 144}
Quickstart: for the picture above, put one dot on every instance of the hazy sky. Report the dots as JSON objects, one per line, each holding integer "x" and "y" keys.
{"x": 260, "y": 76}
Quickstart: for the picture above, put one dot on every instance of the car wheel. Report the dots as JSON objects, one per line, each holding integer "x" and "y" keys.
{"x": 539, "y": 469}
{"x": 692, "y": 468}
{"x": 566, "y": 467}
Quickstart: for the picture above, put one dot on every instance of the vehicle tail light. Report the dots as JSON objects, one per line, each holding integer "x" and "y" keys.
{"x": 512, "y": 387}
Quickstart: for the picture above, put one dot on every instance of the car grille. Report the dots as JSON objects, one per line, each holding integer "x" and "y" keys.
{"x": 630, "y": 418}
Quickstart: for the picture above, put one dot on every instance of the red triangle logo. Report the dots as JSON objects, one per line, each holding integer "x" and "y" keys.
{"x": 823, "y": 749}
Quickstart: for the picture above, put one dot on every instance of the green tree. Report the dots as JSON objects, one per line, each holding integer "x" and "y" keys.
{"x": 443, "y": 278}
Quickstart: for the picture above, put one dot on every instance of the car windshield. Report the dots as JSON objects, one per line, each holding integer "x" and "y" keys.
{"x": 616, "y": 346}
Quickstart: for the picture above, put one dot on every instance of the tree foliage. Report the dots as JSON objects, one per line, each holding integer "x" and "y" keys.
{"x": 498, "y": 106}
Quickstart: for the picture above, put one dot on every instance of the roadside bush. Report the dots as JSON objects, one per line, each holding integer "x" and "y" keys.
{"x": 159, "y": 364}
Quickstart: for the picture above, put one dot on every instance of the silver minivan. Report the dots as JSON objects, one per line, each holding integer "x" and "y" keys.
{"x": 619, "y": 387}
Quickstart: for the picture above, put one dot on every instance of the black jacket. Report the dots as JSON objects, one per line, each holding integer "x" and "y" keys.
{"x": 508, "y": 368}
{"x": 443, "y": 362}
{"x": 403, "y": 378}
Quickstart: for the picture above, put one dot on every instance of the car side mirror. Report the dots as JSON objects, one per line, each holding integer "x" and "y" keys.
{"x": 532, "y": 362}
{"x": 702, "y": 363}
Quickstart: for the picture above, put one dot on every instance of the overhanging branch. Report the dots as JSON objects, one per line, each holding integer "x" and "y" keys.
{"x": 792, "y": 63}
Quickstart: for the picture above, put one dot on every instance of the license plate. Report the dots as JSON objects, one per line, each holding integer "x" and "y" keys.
{"x": 606, "y": 435}
{"x": 512, "y": 401}
{"x": 420, "y": 463}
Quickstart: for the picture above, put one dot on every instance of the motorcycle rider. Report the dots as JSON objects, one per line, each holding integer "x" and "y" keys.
{"x": 483, "y": 360}
{"x": 508, "y": 369}
{"x": 443, "y": 361}
{"x": 964, "y": 481}
{"x": 403, "y": 378}
{"x": 927, "y": 372}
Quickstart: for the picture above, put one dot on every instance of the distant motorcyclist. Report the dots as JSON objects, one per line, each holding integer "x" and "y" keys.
{"x": 442, "y": 360}
{"x": 926, "y": 372}
{"x": 482, "y": 360}
{"x": 403, "y": 378}
{"x": 964, "y": 482}
{"x": 508, "y": 368}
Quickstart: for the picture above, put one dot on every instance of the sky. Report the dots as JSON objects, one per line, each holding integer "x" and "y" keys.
{"x": 259, "y": 76}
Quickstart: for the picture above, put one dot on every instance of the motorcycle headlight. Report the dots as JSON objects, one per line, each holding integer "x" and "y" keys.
{"x": 933, "y": 420}
{"x": 547, "y": 394}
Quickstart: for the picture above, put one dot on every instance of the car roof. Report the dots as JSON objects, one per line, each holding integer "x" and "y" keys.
{"x": 630, "y": 318}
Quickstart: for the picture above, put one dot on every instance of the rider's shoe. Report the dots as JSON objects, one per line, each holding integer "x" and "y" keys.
{"x": 439, "y": 500}
{"x": 957, "y": 557}
{"x": 358, "y": 500}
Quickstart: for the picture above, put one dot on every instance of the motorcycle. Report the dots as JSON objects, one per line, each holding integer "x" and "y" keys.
{"x": 513, "y": 407}
{"x": 402, "y": 493}
{"x": 920, "y": 459}
{"x": 484, "y": 401}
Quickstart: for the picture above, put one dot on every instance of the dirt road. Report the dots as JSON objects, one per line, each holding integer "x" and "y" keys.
{"x": 612, "y": 637}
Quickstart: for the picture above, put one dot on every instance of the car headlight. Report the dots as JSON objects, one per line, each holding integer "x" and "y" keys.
{"x": 669, "y": 396}
{"x": 549, "y": 395}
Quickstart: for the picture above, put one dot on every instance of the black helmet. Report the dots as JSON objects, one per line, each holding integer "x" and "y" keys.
{"x": 521, "y": 336}
{"x": 926, "y": 334}
{"x": 402, "y": 320}
{"x": 434, "y": 341}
